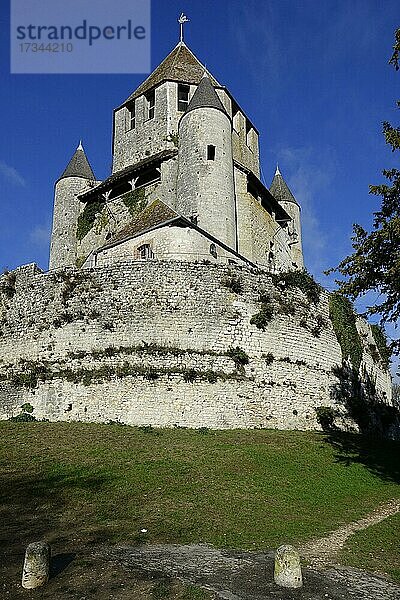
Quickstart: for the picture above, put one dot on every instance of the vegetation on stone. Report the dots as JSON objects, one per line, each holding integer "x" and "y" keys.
{"x": 301, "y": 280}
{"x": 382, "y": 344}
{"x": 265, "y": 314}
{"x": 88, "y": 216}
{"x": 343, "y": 320}
{"x": 374, "y": 265}
{"x": 135, "y": 200}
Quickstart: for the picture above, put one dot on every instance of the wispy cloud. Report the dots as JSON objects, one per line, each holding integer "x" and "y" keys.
{"x": 308, "y": 173}
{"x": 11, "y": 175}
{"x": 40, "y": 235}
{"x": 256, "y": 39}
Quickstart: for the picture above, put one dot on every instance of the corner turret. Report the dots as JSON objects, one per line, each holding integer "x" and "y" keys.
{"x": 205, "y": 186}
{"x": 280, "y": 190}
{"x": 76, "y": 178}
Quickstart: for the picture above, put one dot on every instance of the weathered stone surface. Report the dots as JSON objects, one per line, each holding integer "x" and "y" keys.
{"x": 287, "y": 570}
{"x": 36, "y": 565}
{"x": 74, "y": 321}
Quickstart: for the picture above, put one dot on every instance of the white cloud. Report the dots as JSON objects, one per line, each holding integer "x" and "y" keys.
{"x": 11, "y": 174}
{"x": 40, "y": 235}
{"x": 308, "y": 174}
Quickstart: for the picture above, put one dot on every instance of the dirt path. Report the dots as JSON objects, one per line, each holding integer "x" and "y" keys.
{"x": 324, "y": 551}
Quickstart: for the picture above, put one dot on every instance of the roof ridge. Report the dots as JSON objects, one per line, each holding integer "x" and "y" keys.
{"x": 280, "y": 189}
{"x": 78, "y": 166}
{"x": 180, "y": 64}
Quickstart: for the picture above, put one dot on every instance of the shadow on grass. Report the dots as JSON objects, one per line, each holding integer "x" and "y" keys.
{"x": 43, "y": 507}
{"x": 379, "y": 456}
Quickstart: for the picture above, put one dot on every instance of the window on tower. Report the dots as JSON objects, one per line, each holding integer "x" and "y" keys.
{"x": 151, "y": 101}
{"x": 210, "y": 152}
{"x": 131, "y": 116}
{"x": 183, "y": 96}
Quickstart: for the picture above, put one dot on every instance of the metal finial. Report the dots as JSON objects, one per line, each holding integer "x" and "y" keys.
{"x": 277, "y": 172}
{"x": 182, "y": 19}
{"x": 80, "y": 147}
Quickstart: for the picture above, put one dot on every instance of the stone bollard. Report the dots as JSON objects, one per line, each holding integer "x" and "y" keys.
{"x": 36, "y": 565}
{"x": 287, "y": 570}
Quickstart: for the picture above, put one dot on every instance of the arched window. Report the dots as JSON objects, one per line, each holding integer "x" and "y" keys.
{"x": 144, "y": 252}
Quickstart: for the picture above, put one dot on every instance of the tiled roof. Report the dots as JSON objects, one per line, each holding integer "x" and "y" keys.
{"x": 180, "y": 65}
{"x": 79, "y": 166}
{"x": 280, "y": 190}
{"x": 205, "y": 96}
{"x": 154, "y": 214}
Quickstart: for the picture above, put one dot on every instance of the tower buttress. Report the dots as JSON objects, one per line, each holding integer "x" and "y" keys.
{"x": 205, "y": 186}
{"x": 76, "y": 178}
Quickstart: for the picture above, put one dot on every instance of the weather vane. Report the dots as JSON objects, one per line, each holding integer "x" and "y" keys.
{"x": 182, "y": 19}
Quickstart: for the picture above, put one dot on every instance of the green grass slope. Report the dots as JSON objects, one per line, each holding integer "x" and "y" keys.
{"x": 245, "y": 489}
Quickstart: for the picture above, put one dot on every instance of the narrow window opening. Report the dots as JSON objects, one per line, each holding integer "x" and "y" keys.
{"x": 213, "y": 250}
{"x": 131, "y": 116}
{"x": 210, "y": 152}
{"x": 183, "y": 97}
{"x": 144, "y": 252}
{"x": 151, "y": 101}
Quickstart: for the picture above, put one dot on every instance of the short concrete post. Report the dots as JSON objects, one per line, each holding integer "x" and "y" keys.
{"x": 287, "y": 571}
{"x": 36, "y": 565}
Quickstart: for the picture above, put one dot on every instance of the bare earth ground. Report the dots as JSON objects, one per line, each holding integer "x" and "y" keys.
{"x": 84, "y": 571}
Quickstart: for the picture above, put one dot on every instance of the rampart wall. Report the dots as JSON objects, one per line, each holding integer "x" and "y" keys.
{"x": 167, "y": 343}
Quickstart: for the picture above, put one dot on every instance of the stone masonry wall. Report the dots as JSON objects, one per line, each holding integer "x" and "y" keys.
{"x": 151, "y": 343}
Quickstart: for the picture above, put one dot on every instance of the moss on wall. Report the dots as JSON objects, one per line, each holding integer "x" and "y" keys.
{"x": 135, "y": 201}
{"x": 87, "y": 218}
{"x": 343, "y": 320}
{"x": 382, "y": 345}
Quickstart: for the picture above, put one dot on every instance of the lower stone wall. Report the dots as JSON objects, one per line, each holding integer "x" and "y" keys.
{"x": 169, "y": 343}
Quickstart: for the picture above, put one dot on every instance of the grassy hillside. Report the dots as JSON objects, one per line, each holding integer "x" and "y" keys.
{"x": 244, "y": 489}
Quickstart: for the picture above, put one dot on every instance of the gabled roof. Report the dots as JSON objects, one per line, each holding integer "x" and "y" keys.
{"x": 78, "y": 166}
{"x": 280, "y": 190}
{"x": 180, "y": 65}
{"x": 158, "y": 215}
{"x": 154, "y": 214}
{"x": 205, "y": 96}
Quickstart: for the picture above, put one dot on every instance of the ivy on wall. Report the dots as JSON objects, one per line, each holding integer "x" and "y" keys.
{"x": 87, "y": 217}
{"x": 344, "y": 324}
{"x": 135, "y": 201}
{"x": 382, "y": 345}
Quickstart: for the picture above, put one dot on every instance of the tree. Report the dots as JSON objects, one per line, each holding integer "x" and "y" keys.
{"x": 375, "y": 263}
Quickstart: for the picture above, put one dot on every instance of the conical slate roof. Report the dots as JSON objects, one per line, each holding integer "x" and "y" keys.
{"x": 205, "y": 96}
{"x": 180, "y": 65}
{"x": 79, "y": 166}
{"x": 280, "y": 190}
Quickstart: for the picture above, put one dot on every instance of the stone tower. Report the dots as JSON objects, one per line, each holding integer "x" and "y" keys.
{"x": 205, "y": 183}
{"x": 77, "y": 178}
{"x": 280, "y": 190}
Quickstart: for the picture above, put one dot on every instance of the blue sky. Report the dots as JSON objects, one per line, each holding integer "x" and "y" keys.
{"x": 312, "y": 76}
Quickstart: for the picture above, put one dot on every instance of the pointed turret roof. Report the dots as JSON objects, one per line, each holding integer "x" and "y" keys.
{"x": 180, "y": 65}
{"x": 79, "y": 165}
{"x": 280, "y": 190}
{"x": 205, "y": 96}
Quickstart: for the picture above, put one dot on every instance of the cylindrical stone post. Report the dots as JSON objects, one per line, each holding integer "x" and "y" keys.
{"x": 287, "y": 571}
{"x": 36, "y": 565}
